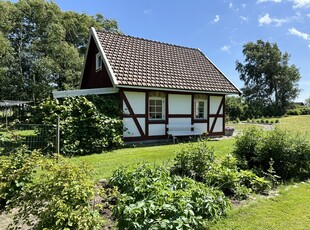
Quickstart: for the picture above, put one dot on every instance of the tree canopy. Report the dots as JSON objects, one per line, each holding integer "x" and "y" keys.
{"x": 271, "y": 83}
{"x": 42, "y": 47}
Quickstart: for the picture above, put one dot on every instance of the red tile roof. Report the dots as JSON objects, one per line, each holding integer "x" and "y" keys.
{"x": 145, "y": 63}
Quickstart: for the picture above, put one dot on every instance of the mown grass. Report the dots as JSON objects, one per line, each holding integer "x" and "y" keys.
{"x": 288, "y": 209}
{"x": 296, "y": 124}
{"x": 105, "y": 163}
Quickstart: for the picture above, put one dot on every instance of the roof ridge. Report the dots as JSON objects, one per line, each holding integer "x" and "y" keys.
{"x": 148, "y": 40}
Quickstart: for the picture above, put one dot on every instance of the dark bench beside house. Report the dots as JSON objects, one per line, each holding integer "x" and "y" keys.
{"x": 177, "y": 130}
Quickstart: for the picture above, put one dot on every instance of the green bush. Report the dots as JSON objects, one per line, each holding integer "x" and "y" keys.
{"x": 294, "y": 112}
{"x": 83, "y": 129}
{"x": 193, "y": 161}
{"x": 246, "y": 146}
{"x": 198, "y": 162}
{"x": 290, "y": 152}
{"x": 60, "y": 199}
{"x": 16, "y": 171}
{"x": 153, "y": 199}
{"x": 235, "y": 183}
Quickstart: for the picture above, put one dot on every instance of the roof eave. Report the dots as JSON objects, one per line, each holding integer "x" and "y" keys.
{"x": 177, "y": 90}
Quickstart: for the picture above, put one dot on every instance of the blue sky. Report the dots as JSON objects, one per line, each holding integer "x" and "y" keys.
{"x": 218, "y": 28}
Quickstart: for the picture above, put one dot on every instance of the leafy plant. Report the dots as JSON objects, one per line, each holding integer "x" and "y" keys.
{"x": 83, "y": 129}
{"x": 153, "y": 199}
{"x": 61, "y": 199}
{"x": 193, "y": 161}
{"x": 198, "y": 162}
{"x": 290, "y": 152}
{"x": 236, "y": 183}
{"x": 16, "y": 171}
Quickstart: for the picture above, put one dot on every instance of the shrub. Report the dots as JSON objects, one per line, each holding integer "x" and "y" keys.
{"x": 198, "y": 162}
{"x": 83, "y": 129}
{"x": 294, "y": 112}
{"x": 237, "y": 120}
{"x": 16, "y": 171}
{"x": 153, "y": 199}
{"x": 61, "y": 199}
{"x": 194, "y": 161}
{"x": 235, "y": 183}
{"x": 246, "y": 146}
{"x": 289, "y": 152}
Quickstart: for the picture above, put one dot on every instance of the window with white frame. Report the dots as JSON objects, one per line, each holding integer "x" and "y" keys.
{"x": 98, "y": 62}
{"x": 200, "y": 106}
{"x": 156, "y": 106}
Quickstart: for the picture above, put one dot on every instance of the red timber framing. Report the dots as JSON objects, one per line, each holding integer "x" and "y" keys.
{"x": 145, "y": 135}
{"x": 216, "y": 116}
{"x": 132, "y": 114}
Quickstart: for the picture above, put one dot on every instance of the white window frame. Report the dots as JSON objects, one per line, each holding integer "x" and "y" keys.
{"x": 98, "y": 61}
{"x": 162, "y": 99}
{"x": 196, "y": 110}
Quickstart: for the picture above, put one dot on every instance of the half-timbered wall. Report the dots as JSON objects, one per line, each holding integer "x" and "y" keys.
{"x": 177, "y": 108}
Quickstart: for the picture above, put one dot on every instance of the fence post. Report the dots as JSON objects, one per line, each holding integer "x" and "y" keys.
{"x": 58, "y": 136}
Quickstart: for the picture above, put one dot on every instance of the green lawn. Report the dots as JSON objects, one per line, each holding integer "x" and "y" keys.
{"x": 289, "y": 208}
{"x": 104, "y": 164}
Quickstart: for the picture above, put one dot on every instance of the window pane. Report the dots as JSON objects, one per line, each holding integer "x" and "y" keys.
{"x": 159, "y": 103}
{"x": 199, "y": 109}
{"x": 156, "y": 108}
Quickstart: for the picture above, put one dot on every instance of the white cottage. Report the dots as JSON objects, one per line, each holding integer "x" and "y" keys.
{"x": 163, "y": 89}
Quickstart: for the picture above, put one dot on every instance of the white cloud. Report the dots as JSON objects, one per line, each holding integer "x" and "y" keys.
{"x": 262, "y": 1}
{"x": 243, "y": 18}
{"x": 216, "y": 19}
{"x": 225, "y": 48}
{"x": 308, "y": 15}
{"x": 300, "y": 34}
{"x": 230, "y": 5}
{"x": 243, "y": 5}
{"x": 267, "y": 20}
{"x": 301, "y": 3}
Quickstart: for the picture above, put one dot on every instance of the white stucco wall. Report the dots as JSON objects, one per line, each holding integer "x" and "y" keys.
{"x": 218, "y": 125}
{"x": 203, "y": 127}
{"x": 137, "y": 103}
{"x": 130, "y": 128}
{"x": 157, "y": 129}
{"x": 215, "y": 102}
{"x": 180, "y": 104}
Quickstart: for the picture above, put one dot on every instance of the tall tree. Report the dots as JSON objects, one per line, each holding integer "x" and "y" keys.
{"x": 42, "y": 47}
{"x": 271, "y": 83}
